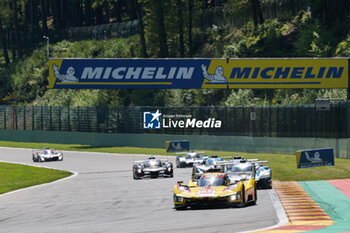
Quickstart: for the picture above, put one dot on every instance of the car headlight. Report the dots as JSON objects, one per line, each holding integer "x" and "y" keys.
{"x": 235, "y": 197}
{"x": 178, "y": 199}
{"x": 138, "y": 170}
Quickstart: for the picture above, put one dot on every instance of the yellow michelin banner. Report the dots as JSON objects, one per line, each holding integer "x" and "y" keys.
{"x": 199, "y": 73}
{"x": 278, "y": 73}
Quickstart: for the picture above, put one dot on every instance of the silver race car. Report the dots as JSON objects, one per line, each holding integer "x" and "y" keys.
{"x": 209, "y": 165}
{"x": 47, "y": 154}
{"x": 153, "y": 168}
{"x": 191, "y": 158}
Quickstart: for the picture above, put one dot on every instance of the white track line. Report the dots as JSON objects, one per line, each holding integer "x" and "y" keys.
{"x": 74, "y": 174}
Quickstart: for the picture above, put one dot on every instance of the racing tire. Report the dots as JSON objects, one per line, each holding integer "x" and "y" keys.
{"x": 243, "y": 201}
{"x": 255, "y": 196}
{"x": 135, "y": 177}
{"x": 180, "y": 207}
{"x": 269, "y": 186}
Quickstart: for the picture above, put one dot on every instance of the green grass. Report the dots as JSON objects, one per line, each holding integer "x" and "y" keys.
{"x": 283, "y": 166}
{"x": 17, "y": 176}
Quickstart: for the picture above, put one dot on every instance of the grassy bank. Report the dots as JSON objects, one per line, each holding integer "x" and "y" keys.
{"x": 17, "y": 176}
{"x": 283, "y": 166}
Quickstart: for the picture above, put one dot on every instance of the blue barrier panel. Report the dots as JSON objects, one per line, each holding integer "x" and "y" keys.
{"x": 175, "y": 146}
{"x": 315, "y": 158}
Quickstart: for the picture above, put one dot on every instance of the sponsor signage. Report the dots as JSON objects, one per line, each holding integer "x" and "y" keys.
{"x": 252, "y": 116}
{"x": 157, "y": 120}
{"x": 199, "y": 73}
{"x": 315, "y": 158}
{"x": 152, "y": 120}
{"x": 176, "y": 146}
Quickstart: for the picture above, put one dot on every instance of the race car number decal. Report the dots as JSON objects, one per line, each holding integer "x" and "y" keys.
{"x": 206, "y": 192}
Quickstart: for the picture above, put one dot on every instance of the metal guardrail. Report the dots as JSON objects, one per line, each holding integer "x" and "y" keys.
{"x": 103, "y": 31}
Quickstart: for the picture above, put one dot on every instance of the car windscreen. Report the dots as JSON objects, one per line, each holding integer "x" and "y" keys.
{"x": 211, "y": 181}
{"x": 242, "y": 168}
{"x": 152, "y": 163}
{"x": 192, "y": 156}
{"x": 210, "y": 162}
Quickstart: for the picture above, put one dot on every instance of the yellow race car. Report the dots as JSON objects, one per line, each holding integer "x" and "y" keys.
{"x": 215, "y": 189}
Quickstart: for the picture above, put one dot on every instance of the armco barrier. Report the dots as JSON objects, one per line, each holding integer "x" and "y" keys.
{"x": 199, "y": 142}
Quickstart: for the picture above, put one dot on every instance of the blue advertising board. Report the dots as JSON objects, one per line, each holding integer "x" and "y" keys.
{"x": 176, "y": 146}
{"x": 315, "y": 158}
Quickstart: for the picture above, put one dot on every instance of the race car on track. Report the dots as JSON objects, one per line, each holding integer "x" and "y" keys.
{"x": 191, "y": 158}
{"x": 210, "y": 165}
{"x": 263, "y": 175}
{"x": 47, "y": 154}
{"x": 215, "y": 189}
{"x": 153, "y": 168}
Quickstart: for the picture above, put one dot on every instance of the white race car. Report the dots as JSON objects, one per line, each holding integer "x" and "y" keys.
{"x": 47, "y": 154}
{"x": 190, "y": 159}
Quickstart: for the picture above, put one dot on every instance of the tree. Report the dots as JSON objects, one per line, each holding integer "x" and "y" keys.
{"x": 181, "y": 27}
{"x": 43, "y": 15}
{"x": 118, "y": 10}
{"x": 190, "y": 47}
{"x": 256, "y": 12}
{"x": 75, "y": 16}
{"x": 162, "y": 38}
{"x": 17, "y": 35}
{"x": 98, "y": 11}
{"x": 3, "y": 44}
{"x": 88, "y": 12}
{"x": 57, "y": 14}
{"x": 141, "y": 28}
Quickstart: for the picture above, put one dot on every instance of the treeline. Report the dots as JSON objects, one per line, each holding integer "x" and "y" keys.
{"x": 23, "y": 23}
{"x": 172, "y": 28}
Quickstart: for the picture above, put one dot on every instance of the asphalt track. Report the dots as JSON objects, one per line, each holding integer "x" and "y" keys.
{"x": 103, "y": 197}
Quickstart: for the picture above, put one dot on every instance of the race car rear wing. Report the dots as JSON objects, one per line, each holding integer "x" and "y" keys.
{"x": 186, "y": 152}
{"x": 228, "y": 157}
{"x": 224, "y": 164}
{"x": 252, "y": 160}
{"x": 138, "y": 161}
{"x": 142, "y": 161}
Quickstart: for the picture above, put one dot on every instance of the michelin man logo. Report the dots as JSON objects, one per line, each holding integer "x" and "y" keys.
{"x": 176, "y": 147}
{"x": 151, "y": 120}
{"x": 65, "y": 78}
{"x": 315, "y": 159}
{"x": 217, "y": 77}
